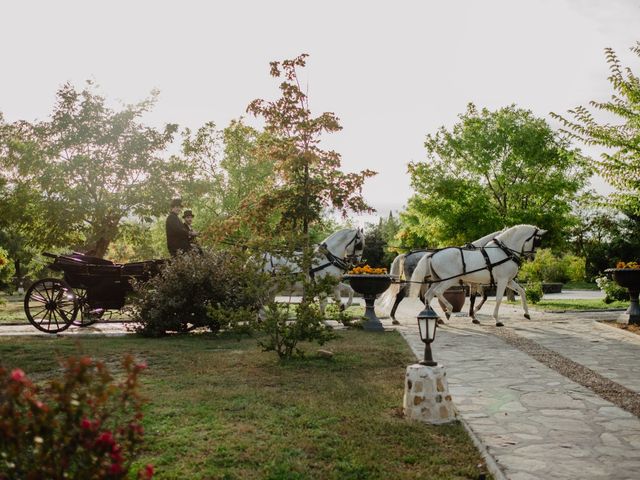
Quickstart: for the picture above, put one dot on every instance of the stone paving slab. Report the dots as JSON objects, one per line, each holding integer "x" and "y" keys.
{"x": 534, "y": 422}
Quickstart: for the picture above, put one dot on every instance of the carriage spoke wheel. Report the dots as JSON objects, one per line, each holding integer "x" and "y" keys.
{"x": 85, "y": 317}
{"x": 51, "y": 305}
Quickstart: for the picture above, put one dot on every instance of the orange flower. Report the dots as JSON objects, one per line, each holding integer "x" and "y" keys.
{"x": 368, "y": 270}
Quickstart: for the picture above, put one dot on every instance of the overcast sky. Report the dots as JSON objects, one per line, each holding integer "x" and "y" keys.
{"x": 392, "y": 71}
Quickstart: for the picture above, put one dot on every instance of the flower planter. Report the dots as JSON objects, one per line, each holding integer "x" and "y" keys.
{"x": 370, "y": 286}
{"x": 629, "y": 278}
{"x": 455, "y": 296}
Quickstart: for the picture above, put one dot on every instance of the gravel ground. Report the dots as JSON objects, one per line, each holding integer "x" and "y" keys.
{"x": 607, "y": 389}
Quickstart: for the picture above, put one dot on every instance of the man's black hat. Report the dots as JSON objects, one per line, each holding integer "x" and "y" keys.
{"x": 176, "y": 202}
{"x": 187, "y": 213}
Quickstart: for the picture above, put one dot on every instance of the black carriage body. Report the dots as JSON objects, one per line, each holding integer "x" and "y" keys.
{"x": 106, "y": 283}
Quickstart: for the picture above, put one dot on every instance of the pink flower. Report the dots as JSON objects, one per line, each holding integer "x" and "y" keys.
{"x": 85, "y": 424}
{"x": 116, "y": 469}
{"x": 105, "y": 438}
{"x": 18, "y": 375}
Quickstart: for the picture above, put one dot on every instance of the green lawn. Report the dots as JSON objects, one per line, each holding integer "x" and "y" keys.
{"x": 580, "y": 286}
{"x": 12, "y": 310}
{"x": 571, "y": 304}
{"x": 221, "y": 408}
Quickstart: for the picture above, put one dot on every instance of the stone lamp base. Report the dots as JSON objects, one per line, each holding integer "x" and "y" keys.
{"x": 426, "y": 395}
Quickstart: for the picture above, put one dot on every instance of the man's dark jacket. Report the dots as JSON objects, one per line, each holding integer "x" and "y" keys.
{"x": 177, "y": 235}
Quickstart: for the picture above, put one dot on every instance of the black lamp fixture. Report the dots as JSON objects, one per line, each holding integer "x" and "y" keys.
{"x": 427, "y": 323}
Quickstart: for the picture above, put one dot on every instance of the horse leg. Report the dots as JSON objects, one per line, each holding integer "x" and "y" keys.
{"x": 401, "y": 294}
{"x": 500, "y": 288}
{"x": 513, "y": 285}
{"x": 438, "y": 290}
{"x": 484, "y": 299}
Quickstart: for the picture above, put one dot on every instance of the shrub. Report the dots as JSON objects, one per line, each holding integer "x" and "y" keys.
{"x": 533, "y": 292}
{"x": 547, "y": 267}
{"x": 7, "y": 270}
{"x": 82, "y": 425}
{"x": 612, "y": 291}
{"x": 198, "y": 290}
{"x": 283, "y": 333}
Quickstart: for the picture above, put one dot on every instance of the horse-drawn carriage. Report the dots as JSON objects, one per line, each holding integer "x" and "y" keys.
{"x": 90, "y": 287}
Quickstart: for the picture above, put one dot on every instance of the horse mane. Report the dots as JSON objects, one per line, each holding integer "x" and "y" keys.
{"x": 335, "y": 234}
{"x": 509, "y": 232}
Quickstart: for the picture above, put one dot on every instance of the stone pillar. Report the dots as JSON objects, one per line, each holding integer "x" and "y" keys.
{"x": 426, "y": 395}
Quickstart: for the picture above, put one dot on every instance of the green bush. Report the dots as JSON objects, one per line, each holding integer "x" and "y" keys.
{"x": 533, "y": 291}
{"x": 7, "y": 270}
{"x": 197, "y": 290}
{"x": 82, "y": 425}
{"x": 284, "y": 332}
{"x": 612, "y": 291}
{"x": 547, "y": 267}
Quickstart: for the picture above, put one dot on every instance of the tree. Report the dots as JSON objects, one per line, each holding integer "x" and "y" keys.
{"x": 97, "y": 166}
{"x": 491, "y": 170}
{"x": 621, "y": 165}
{"x": 308, "y": 179}
{"x": 379, "y": 249}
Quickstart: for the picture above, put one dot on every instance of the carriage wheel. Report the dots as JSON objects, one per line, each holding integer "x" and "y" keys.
{"x": 51, "y": 305}
{"x": 85, "y": 317}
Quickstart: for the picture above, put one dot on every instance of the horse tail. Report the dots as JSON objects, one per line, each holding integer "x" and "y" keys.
{"x": 388, "y": 297}
{"x": 420, "y": 274}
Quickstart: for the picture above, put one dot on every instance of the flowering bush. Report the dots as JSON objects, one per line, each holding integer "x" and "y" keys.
{"x": 367, "y": 270}
{"x": 634, "y": 265}
{"x": 83, "y": 425}
{"x": 612, "y": 291}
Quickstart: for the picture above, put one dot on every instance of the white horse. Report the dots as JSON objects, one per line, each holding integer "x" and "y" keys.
{"x": 334, "y": 256}
{"x": 497, "y": 262}
{"x": 402, "y": 269}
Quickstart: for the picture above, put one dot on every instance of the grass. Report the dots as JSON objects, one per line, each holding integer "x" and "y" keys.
{"x": 12, "y": 310}
{"x": 580, "y": 286}
{"x": 578, "y": 304}
{"x": 221, "y": 408}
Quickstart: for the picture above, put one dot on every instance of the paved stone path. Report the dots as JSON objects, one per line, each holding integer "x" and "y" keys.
{"x": 533, "y": 422}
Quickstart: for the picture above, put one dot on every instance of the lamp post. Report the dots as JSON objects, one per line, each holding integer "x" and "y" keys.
{"x": 427, "y": 323}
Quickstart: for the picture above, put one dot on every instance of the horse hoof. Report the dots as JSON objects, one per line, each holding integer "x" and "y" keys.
{"x": 395, "y": 322}
{"x": 499, "y": 324}
{"x": 448, "y": 315}
{"x": 440, "y": 321}
{"x": 527, "y": 316}
{"x": 342, "y": 308}
{"x": 477, "y": 322}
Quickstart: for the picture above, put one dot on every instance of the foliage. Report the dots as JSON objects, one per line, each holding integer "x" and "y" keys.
{"x": 534, "y": 293}
{"x": 307, "y": 178}
{"x": 547, "y": 267}
{"x": 602, "y": 235}
{"x": 612, "y": 291}
{"x": 193, "y": 288}
{"x": 82, "y": 425}
{"x": 379, "y": 245}
{"x": 492, "y": 169}
{"x": 229, "y": 175}
{"x": 94, "y": 166}
{"x": 6, "y": 272}
{"x": 620, "y": 166}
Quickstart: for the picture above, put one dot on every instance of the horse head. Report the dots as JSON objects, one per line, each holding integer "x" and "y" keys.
{"x": 522, "y": 239}
{"x": 346, "y": 244}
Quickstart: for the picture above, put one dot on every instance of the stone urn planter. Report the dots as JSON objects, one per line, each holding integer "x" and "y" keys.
{"x": 370, "y": 286}
{"x": 455, "y": 296}
{"x": 629, "y": 278}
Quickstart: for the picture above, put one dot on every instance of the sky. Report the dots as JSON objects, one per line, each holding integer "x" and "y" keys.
{"x": 392, "y": 71}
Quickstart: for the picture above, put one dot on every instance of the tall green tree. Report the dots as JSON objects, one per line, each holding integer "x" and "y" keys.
{"x": 96, "y": 165}
{"x": 492, "y": 169}
{"x": 308, "y": 179}
{"x": 620, "y": 165}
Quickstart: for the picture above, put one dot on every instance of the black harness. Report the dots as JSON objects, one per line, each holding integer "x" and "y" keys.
{"x": 343, "y": 264}
{"x": 511, "y": 256}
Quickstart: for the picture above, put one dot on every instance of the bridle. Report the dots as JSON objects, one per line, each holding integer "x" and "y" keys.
{"x": 517, "y": 256}
{"x": 343, "y": 264}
